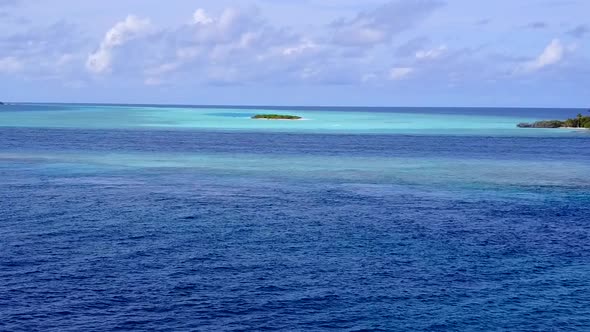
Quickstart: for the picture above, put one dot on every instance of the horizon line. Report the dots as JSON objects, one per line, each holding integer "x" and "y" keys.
{"x": 273, "y": 106}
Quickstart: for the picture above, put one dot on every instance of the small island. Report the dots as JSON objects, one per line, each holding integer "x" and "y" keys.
{"x": 276, "y": 117}
{"x": 578, "y": 122}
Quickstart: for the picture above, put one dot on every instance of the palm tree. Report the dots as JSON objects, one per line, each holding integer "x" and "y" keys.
{"x": 579, "y": 120}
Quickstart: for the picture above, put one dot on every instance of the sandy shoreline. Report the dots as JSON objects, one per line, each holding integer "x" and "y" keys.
{"x": 574, "y": 128}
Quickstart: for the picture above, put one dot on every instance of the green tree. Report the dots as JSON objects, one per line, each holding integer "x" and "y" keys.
{"x": 569, "y": 123}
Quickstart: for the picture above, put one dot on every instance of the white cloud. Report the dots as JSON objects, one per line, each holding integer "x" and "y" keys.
{"x": 227, "y": 27}
{"x": 122, "y": 32}
{"x": 400, "y": 73}
{"x": 227, "y": 47}
{"x": 99, "y": 61}
{"x": 241, "y": 46}
{"x": 432, "y": 53}
{"x": 381, "y": 24}
{"x": 10, "y": 65}
{"x": 43, "y": 52}
{"x": 238, "y": 45}
{"x": 551, "y": 55}
{"x": 303, "y": 47}
{"x": 201, "y": 17}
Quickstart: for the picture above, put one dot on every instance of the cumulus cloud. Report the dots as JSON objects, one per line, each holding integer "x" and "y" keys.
{"x": 238, "y": 45}
{"x": 551, "y": 55}
{"x": 233, "y": 45}
{"x": 233, "y": 25}
{"x": 305, "y": 46}
{"x": 201, "y": 17}
{"x": 53, "y": 51}
{"x": 381, "y": 24}
{"x": 131, "y": 28}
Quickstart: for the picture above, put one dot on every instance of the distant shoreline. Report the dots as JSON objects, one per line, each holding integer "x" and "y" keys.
{"x": 574, "y": 128}
{"x": 579, "y": 122}
{"x": 276, "y": 117}
{"x": 301, "y": 119}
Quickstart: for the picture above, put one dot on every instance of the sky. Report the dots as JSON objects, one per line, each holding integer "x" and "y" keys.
{"x": 513, "y": 53}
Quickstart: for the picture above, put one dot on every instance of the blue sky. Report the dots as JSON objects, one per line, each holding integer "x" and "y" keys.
{"x": 297, "y": 52}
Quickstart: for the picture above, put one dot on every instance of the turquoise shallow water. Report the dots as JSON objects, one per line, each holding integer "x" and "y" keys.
{"x": 198, "y": 218}
{"x": 424, "y": 172}
{"x": 413, "y": 121}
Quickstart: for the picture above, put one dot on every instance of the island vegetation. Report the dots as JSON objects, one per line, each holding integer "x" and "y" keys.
{"x": 276, "y": 117}
{"x": 579, "y": 121}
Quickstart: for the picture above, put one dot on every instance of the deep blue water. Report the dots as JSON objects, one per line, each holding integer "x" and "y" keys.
{"x": 271, "y": 231}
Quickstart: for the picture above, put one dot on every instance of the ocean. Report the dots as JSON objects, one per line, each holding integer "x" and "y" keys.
{"x": 198, "y": 218}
